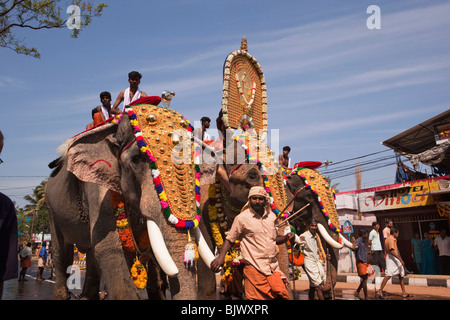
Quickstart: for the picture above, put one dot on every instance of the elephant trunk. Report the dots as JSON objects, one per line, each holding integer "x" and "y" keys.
{"x": 325, "y": 235}
{"x": 160, "y": 249}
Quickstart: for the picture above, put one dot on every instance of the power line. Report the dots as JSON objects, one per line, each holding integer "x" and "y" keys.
{"x": 360, "y": 157}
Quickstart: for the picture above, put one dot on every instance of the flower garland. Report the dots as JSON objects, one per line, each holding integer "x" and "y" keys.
{"x": 241, "y": 140}
{"x": 123, "y": 228}
{"x": 179, "y": 223}
{"x": 215, "y": 213}
{"x": 233, "y": 259}
{"x": 138, "y": 271}
{"x": 322, "y": 207}
{"x": 139, "y": 275}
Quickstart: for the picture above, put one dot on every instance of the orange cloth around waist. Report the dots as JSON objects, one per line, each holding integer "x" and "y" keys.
{"x": 261, "y": 287}
{"x": 362, "y": 268}
{"x": 98, "y": 118}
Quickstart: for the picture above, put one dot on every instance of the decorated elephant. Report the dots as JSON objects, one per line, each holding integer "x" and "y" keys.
{"x": 235, "y": 176}
{"x": 126, "y": 174}
{"x": 313, "y": 193}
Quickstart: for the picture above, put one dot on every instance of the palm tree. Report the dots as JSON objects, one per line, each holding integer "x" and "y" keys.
{"x": 38, "y": 209}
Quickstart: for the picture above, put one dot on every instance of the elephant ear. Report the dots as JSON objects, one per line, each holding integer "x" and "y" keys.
{"x": 93, "y": 157}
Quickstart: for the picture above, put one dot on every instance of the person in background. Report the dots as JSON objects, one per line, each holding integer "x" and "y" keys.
{"x": 9, "y": 264}
{"x": 201, "y": 133}
{"x": 42, "y": 261}
{"x": 25, "y": 261}
{"x": 387, "y": 229}
{"x": 284, "y": 158}
{"x": 103, "y": 112}
{"x": 417, "y": 251}
{"x": 394, "y": 264}
{"x": 442, "y": 243}
{"x": 362, "y": 264}
{"x": 429, "y": 255}
{"x": 376, "y": 248}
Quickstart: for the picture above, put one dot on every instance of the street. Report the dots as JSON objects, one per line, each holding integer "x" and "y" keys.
{"x": 42, "y": 290}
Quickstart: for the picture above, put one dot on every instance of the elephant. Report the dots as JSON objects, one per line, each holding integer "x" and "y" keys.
{"x": 236, "y": 175}
{"x": 307, "y": 187}
{"x": 115, "y": 158}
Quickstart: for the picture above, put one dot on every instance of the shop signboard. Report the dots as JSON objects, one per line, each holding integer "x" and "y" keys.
{"x": 398, "y": 196}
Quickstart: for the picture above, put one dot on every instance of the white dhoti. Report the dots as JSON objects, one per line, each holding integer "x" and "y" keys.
{"x": 394, "y": 266}
{"x": 315, "y": 272}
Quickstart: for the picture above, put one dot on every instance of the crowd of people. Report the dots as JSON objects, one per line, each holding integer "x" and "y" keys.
{"x": 130, "y": 94}
{"x": 384, "y": 253}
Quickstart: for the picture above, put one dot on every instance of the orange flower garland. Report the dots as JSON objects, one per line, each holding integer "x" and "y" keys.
{"x": 124, "y": 229}
{"x": 139, "y": 275}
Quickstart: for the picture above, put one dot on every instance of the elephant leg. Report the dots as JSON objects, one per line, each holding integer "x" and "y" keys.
{"x": 182, "y": 286}
{"x": 91, "y": 285}
{"x": 63, "y": 258}
{"x": 206, "y": 282}
{"x": 206, "y": 278}
{"x": 157, "y": 281}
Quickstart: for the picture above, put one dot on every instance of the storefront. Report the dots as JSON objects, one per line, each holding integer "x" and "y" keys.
{"x": 414, "y": 207}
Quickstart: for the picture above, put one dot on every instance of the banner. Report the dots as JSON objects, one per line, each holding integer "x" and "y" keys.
{"x": 398, "y": 196}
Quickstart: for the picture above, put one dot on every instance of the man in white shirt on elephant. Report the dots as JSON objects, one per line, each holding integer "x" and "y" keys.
{"x": 130, "y": 94}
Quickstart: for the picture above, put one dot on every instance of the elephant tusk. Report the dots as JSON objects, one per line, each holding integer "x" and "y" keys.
{"x": 297, "y": 240}
{"x": 160, "y": 250}
{"x": 203, "y": 248}
{"x": 328, "y": 238}
{"x": 346, "y": 242}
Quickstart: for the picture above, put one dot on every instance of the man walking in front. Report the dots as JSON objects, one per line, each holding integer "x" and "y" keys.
{"x": 255, "y": 227}
{"x": 394, "y": 264}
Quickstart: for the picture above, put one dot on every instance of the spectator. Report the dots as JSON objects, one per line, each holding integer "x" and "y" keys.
{"x": 442, "y": 243}
{"x": 376, "y": 248}
{"x": 9, "y": 263}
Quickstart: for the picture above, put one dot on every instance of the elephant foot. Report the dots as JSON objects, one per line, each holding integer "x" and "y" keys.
{"x": 60, "y": 294}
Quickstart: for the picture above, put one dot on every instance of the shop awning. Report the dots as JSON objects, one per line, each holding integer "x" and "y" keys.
{"x": 423, "y": 142}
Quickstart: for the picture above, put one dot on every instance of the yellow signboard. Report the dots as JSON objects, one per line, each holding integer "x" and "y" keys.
{"x": 398, "y": 196}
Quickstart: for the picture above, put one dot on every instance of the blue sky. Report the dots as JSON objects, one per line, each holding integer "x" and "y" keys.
{"x": 335, "y": 88}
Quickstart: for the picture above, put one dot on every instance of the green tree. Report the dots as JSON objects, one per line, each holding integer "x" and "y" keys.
{"x": 334, "y": 186}
{"x": 37, "y": 209}
{"x": 44, "y": 14}
{"x": 23, "y": 225}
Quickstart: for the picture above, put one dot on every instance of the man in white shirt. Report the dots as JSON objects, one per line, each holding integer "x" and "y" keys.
{"x": 376, "y": 248}
{"x": 443, "y": 245}
{"x": 130, "y": 94}
{"x": 313, "y": 265}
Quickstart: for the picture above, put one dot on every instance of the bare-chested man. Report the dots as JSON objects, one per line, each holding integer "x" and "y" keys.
{"x": 284, "y": 158}
{"x": 130, "y": 94}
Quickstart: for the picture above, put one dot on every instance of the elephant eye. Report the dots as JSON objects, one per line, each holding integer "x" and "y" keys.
{"x": 252, "y": 175}
{"x": 136, "y": 158}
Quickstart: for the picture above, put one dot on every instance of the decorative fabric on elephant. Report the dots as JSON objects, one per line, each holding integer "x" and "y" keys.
{"x": 244, "y": 98}
{"x": 164, "y": 136}
{"x": 325, "y": 194}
